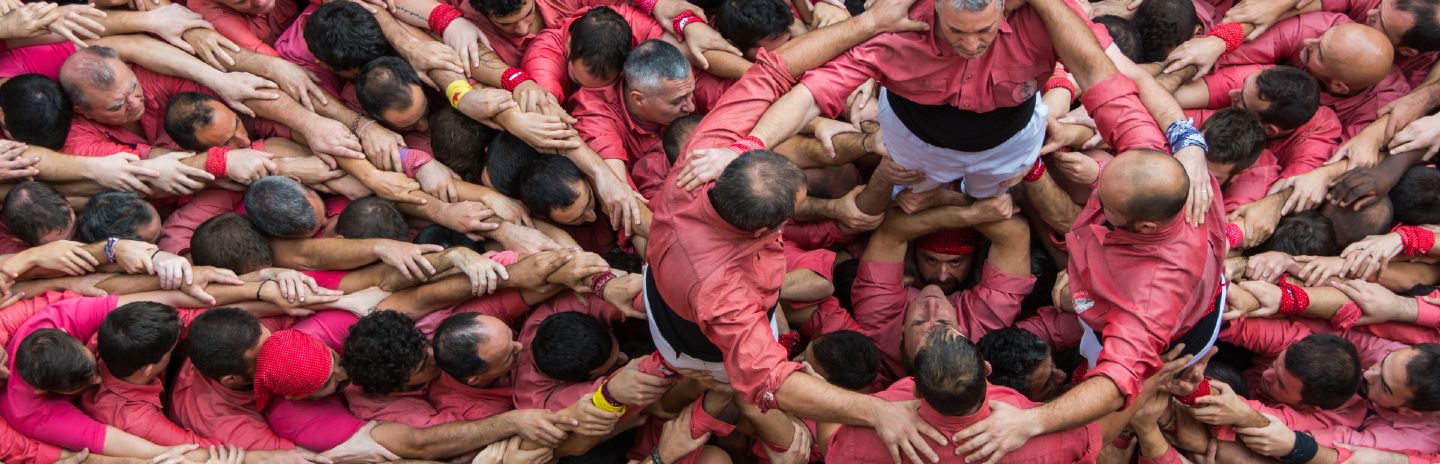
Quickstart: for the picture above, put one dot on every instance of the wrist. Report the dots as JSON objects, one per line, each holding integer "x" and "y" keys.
{"x": 1253, "y": 419}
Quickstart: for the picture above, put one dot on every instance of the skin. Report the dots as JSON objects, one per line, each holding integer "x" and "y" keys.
{"x": 250, "y": 7}
{"x": 1134, "y": 175}
{"x": 224, "y": 130}
{"x": 523, "y": 22}
{"x": 970, "y": 33}
{"x": 122, "y": 104}
{"x": 1280, "y": 384}
{"x": 247, "y": 382}
{"x": 580, "y": 73}
{"x": 674, "y": 100}
{"x": 411, "y": 118}
{"x": 930, "y": 309}
{"x": 1387, "y": 383}
{"x": 499, "y": 350}
{"x": 1348, "y": 58}
{"x": 582, "y": 211}
{"x": 1046, "y": 381}
{"x": 945, "y": 271}
{"x": 1247, "y": 98}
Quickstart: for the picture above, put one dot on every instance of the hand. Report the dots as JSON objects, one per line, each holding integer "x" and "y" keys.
{"x": 1406, "y": 110}
{"x": 437, "y": 180}
{"x": 174, "y": 454}
{"x": 408, "y": 258}
{"x": 705, "y": 165}
{"x": 1185, "y": 379}
{"x": 1268, "y": 266}
{"x": 1006, "y": 430}
{"x": 1260, "y": 16}
{"x": 506, "y": 208}
{"x": 1358, "y": 187}
{"x": 170, "y": 22}
{"x": 1149, "y": 413}
{"x": 381, "y": 146}
{"x": 236, "y": 87}
{"x": 893, "y": 16}
{"x": 1062, "y": 135}
{"x": 13, "y": 162}
{"x": 135, "y": 257}
{"x": 995, "y": 209}
{"x": 1371, "y": 254}
{"x": 525, "y": 240}
{"x": 1318, "y": 270}
{"x": 1060, "y": 293}
{"x": 703, "y": 38}
{"x": 1239, "y": 303}
{"x": 676, "y": 441}
{"x": 1257, "y": 220}
{"x": 248, "y": 165}
{"x": 911, "y": 202}
{"x": 226, "y": 455}
{"x": 531, "y": 97}
{"x": 297, "y": 82}
{"x": 1377, "y": 303}
{"x": 484, "y": 105}
{"x": 1121, "y": 8}
{"x": 174, "y": 177}
{"x": 622, "y": 204}
{"x": 360, "y": 303}
{"x": 294, "y": 285}
{"x": 394, "y": 186}
{"x": 428, "y": 55}
{"x": 1074, "y": 166}
{"x": 1362, "y": 150}
{"x": 548, "y": 134}
{"x": 64, "y": 256}
{"x": 894, "y": 174}
{"x": 540, "y": 425}
{"x": 799, "y": 450}
{"x": 76, "y": 23}
{"x": 324, "y": 296}
{"x": 83, "y": 454}
{"x": 515, "y": 455}
{"x": 485, "y": 274}
{"x": 589, "y": 420}
{"x": 621, "y": 292}
{"x": 311, "y": 170}
{"x": 28, "y": 20}
{"x": 172, "y": 270}
{"x": 576, "y": 273}
{"x": 1222, "y": 406}
{"x": 1419, "y": 135}
{"x": 1274, "y": 439}
{"x": 206, "y": 275}
{"x": 863, "y": 104}
{"x": 493, "y": 453}
{"x": 849, "y": 216}
{"x": 826, "y": 129}
{"x": 1193, "y": 159}
{"x": 637, "y": 389}
{"x": 1201, "y": 52}
{"x": 466, "y": 217}
{"x": 1308, "y": 191}
{"x": 531, "y": 271}
{"x": 329, "y": 137}
{"x": 1267, "y": 294}
{"x": 825, "y": 14}
{"x": 465, "y": 38}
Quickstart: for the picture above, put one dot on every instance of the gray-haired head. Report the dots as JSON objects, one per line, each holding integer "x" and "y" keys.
{"x": 278, "y": 206}
{"x": 652, "y": 63}
{"x": 975, "y": 5}
{"x": 89, "y": 66}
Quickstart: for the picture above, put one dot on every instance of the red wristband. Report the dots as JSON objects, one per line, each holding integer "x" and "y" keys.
{"x": 599, "y": 281}
{"x": 215, "y": 161}
{"x": 1200, "y": 392}
{"x": 1036, "y": 171}
{"x": 1415, "y": 240}
{"x": 1232, "y": 33}
{"x": 747, "y": 144}
{"x": 1234, "y": 235}
{"x": 685, "y": 18}
{"x": 1060, "y": 82}
{"x": 789, "y": 340}
{"x": 512, "y": 78}
{"x": 648, "y": 6}
{"x": 1293, "y": 299}
{"x": 411, "y": 160}
{"x": 441, "y": 17}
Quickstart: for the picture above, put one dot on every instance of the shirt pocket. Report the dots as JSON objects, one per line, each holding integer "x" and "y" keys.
{"x": 1013, "y": 84}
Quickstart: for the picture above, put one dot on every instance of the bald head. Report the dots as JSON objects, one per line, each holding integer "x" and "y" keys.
{"x": 88, "y": 67}
{"x": 1357, "y": 55}
{"x": 1144, "y": 185}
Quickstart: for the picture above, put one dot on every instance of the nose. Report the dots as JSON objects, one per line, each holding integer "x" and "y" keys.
{"x": 689, "y": 106}
{"x": 243, "y": 141}
{"x": 623, "y": 359}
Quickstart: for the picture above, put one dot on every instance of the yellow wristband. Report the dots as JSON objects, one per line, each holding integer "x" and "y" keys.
{"x": 600, "y": 402}
{"x": 457, "y": 90}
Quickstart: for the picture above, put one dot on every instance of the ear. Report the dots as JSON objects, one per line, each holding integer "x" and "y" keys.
{"x": 1272, "y": 131}
{"x": 1407, "y": 52}
{"x": 233, "y": 382}
{"x": 634, "y": 96}
{"x": 987, "y": 369}
{"x": 1147, "y": 227}
{"x": 474, "y": 381}
{"x": 1410, "y": 413}
{"x": 1339, "y": 88}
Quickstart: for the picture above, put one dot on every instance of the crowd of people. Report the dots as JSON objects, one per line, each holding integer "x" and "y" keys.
{"x": 720, "y": 231}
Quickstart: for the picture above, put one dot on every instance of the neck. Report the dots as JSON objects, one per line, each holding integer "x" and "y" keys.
{"x": 138, "y": 378}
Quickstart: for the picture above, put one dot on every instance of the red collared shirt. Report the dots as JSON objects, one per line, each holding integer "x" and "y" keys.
{"x": 137, "y": 410}
{"x": 607, "y": 126}
{"x": 721, "y": 278}
{"x": 534, "y": 389}
{"x": 511, "y": 49}
{"x": 546, "y": 57}
{"x": 251, "y": 32}
{"x": 861, "y": 445}
{"x": 458, "y": 401}
{"x": 89, "y": 138}
{"x": 213, "y": 411}
{"x": 1141, "y": 291}
{"x": 924, "y": 68}
{"x": 48, "y": 417}
{"x": 1253, "y": 183}
{"x": 1305, "y": 149}
{"x": 410, "y": 408}
{"x": 1061, "y": 330}
{"x": 1121, "y": 118}
{"x": 15, "y": 446}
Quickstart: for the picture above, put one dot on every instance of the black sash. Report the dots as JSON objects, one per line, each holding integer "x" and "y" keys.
{"x": 682, "y": 335}
{"x": 949, "y": 127}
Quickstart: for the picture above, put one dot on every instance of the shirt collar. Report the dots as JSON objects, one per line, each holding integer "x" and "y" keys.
{"x": 148, "y": 393}
{"x": 1167, "y": 233}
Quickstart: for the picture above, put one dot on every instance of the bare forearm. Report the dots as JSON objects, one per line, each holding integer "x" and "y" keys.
{"x": 161, "y": 57}
{"x": 59, "y": 167}
{"x": 323, "y": 253}
{"x": 443, "y": 441}
{"x": 811, "y": 398}
{"x": 787, "y": 116}
{"x": 1086, "y": 402}
{"x": 1052, "y": 203}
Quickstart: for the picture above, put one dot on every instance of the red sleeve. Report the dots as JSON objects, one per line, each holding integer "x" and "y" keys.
{"x": 834, "y": 81}
{"x": 146, "y": 421}
{"x": 1312, "y": 145}
{"x": 38, "y": 59}
{"x": 878, "y": 297}
{"x": 232, "y": 26}
{"x": 736, "y": 322}
{"x": 742, "y": 105}
{"x": 314, "y": 425}
{"x": 994, "y": 303}
{"x": 1223, "y": 80}
{"x": 602, "y": 130}
{"x": 1123, "y": 121}
{"x": 828, "y": 317}
{"x": 507, "y": 305}
{"x": 545, "y": 61}
{"x": 1061, "y": 330}
{"x": 1170, "y": 457}
{"x": 16, "y": 447}
{"x": 89, "y": 139}
{"x": 1265, "y": 337}
{"x": 180, "y": 226}
{"x": 1252, "y": 184}
{"x": 813, "y": 235}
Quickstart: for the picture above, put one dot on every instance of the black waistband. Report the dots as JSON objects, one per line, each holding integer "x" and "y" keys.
{"x": 1198, "y": 336}
{"x": 682, "y": 335}
{"x": 949, "y": 127}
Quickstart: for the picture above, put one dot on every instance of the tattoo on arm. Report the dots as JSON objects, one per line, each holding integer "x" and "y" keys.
{"x": 411, "y": 13}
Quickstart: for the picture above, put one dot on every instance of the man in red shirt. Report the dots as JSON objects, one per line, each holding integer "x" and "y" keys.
{"x": 588, "y": 50}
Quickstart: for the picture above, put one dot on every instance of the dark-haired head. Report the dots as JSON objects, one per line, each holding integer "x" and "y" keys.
{"x": 137, "y": 338}
{"x": 391, "y": 92}
{"x": 372, "y": 217}
{"x": 344, "y": 36}
{"x": 845, "y": 358}
{"x": 37, "y": 214}
{"x": 758, "y": 191}
{"x": 223, "y": 344}
{"x": 118, "y": 214}
{"x": 599, "y": 41}
{"x": 35, "y": 110}
{"x": 574, "y": 347}
{"x": 230, "y": 241}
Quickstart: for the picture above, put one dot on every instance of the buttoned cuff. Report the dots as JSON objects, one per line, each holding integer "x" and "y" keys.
{"x": 765, "y": 399}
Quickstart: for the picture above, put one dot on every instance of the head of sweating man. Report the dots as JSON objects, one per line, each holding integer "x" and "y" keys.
{"x": 1349, "y": 58}
{"x": 1142, "y": 191}
{"x": 102, "y": 87}
{"x": 969, "y": 26}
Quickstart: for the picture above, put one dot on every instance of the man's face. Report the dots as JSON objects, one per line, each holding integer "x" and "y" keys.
{"x": 674, "y": 99}
{"x": 1312, "y": 57}
{"x": 1045, "y": 382}
{"x": 582, "y": 211}
{"x": 500, "y": 350}
{"x": 411, "y": 118}
{"x": 251, "y": 7}
{"x": 225, "y": 129}
{"x": 318, "y": 207}
{"x": 338, "y": 380}
{"x": 970, "y": 33}
{"x": 122, "y": 103}
{"x": 1222, "y": 171}
{"x": 580, "y": 73}
{"x": 521, "y": 23}
{"x": 1247, "y": 97}
{"x": 929, "y": 310}
{"x": 1387, "y": 383}
{"x": 150, "y": 231}
{"x": 944, "y": 271}
{"x": 424, "y": 373}
{"x": 769, "y": 44}
{"x": 60, "y": 234}
{"x": 1391, "y": 20}
{"x": 1280, "y": 384}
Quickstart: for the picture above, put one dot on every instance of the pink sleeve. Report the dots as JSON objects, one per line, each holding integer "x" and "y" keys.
{"x": 16, "y": 447}
{"x": 828, "y": 317}
{"x": 1135, "y": 337}
{"x": 736, "y": 322}
{"x": 327, "y": 279}
{"x": 49, "y": 419}
{"x": 602, "y": 130}
{"x": 1123, "y": 121}
{"x": 507, "y": 305}
{"x": 994, "y": 303}
{"x": 1427, "y": 315}
{"x": 1061, "y": 330}
{"x": 813, "y": 235}
{"x": 180, "y": 226}
{"x": 1223, "y": 80}
{"x": 1317, "y": 140}
{"x": 232, "y": 26}
{"x": 37, "y": 59}
{"x": 1265, "y": 337}
{"x": 834, "y": 81}
{"x": 1381, "y": 435}
{"x": 314, "y": 425}
{"x": 1252, "y": 184}
{"x": 743, "y": 104}
{"x": 878, "y": 297}
{"x": 147, "y": 422}
{"x": 330, "y": 327}
{"x": 87, "y": 139}
{"x": 545, "y": 61}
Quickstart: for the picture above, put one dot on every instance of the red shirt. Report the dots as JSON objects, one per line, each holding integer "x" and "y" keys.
{"x": 881, "y": 297}
{"x": 1305, "y": 149}
{"x": 251, "y": 32}
{"x": 1120, "y": 117}
{"x": 648, "y": 172}
{"x": 137, "y": 410}
{"x": 924, "y": 68}
{"x": 48, "y": 417}
{"x": 1060, "y": 330}
{"x": 1268, "y": 338}
{"x": 534, "y": 389}
{"x": 1284, "y": 42}
{"x": 213, "y": 411}
{"x": 862, "y": 445}
{"x": 721, "y": 278}
{"x": 89, "y": 138}
{"x": 511, "y": 49}
{"x": 1253, "y": 183}
{"x": 1139, "y": 292}
{"x": 458, "y": 401}
{"x": 547, "y": 56}
{"x": 35, "y": 59}
{"x": 409, "y": 408}
{"x": 608, "y": 127}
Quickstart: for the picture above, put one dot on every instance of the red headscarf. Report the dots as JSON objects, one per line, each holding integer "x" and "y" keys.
{"x": 949, "y": 241}
{"x": 291, "y": 363}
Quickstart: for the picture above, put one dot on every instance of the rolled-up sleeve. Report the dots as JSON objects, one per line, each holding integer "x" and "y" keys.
{"x": 1123, "y": 122}
{"x": 736, "y": 322}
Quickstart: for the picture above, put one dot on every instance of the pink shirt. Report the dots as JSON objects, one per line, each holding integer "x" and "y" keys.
{"x": 251, "y": 32}
{"x": 136, "y": 409}
{"x": 1305, "y": 149}
{"x": 613, "y": 132}
{"x": 48, "y": 417}
{"x": 863, "y": 445}
{"x": 924, "y": 68}
{"x": 881, "y": 297}
{"x": 409, "y": 408}
{"x": 89, "y": 138}
{"x": 324, "y": 423}
{"x": 721, "y": 278}
{"x": 15, "y": 446}
{"x": 547, "y": 56}
{"x": 1268, "y": 338}
{"x": 534, "y": 389}
{"x": 292, "y": 47}
{"x": 1061, "y": 330}
{"x": 213, "y": 411}
{"x": 511, "y": 49}
{"x": 37, "y": 59}
{"x": 177, "y": 230}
